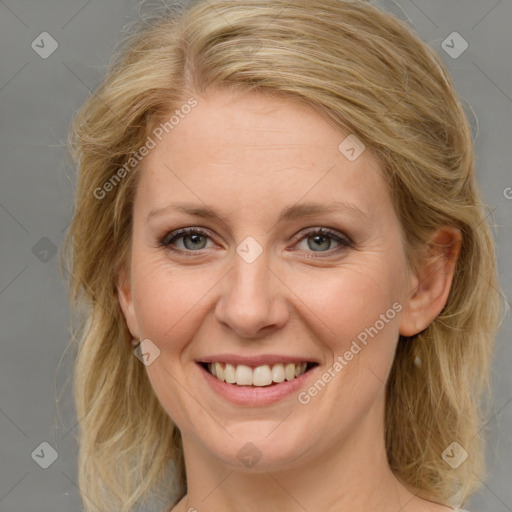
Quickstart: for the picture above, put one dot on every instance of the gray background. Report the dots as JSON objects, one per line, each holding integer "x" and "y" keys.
{"x": 38, "y": 98}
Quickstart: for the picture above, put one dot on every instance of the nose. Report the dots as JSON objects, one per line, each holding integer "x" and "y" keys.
{"x": 253, "y": 299}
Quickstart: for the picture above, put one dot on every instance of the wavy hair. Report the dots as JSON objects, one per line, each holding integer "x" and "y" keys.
{"x": 368, "y": 74}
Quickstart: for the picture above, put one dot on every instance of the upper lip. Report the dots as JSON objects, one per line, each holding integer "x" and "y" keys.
{"x": 254, "y": 361}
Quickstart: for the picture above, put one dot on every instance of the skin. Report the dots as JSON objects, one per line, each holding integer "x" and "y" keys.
{"x": 248, "y": 156}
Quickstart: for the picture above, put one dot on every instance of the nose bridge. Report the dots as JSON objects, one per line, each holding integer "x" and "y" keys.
{"x": 251, "y": 274}
{"x": 251, "y": 298}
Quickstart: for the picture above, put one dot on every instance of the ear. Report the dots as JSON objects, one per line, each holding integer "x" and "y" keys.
{"x": 124, "y": 294}
{"x": 430, "y": 285}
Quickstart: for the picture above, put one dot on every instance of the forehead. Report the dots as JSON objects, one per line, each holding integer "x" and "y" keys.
{"x": 234, "y": 149}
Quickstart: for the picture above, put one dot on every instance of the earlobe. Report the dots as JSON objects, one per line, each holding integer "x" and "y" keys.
{"x": 430, "y": 286}
{"x": 124, "y": 294}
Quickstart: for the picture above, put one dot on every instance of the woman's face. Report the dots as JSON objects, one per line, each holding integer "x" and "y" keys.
{"x": 259, "y": 285}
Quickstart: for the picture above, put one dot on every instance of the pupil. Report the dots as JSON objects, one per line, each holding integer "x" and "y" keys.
{"x": 318, "y": 241}
{"x": 195, "y": 240}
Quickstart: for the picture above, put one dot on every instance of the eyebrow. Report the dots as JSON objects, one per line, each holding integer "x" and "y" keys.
{"x": 291, "y": 212}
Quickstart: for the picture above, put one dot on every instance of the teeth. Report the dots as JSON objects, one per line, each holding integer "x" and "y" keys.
{"x": 278, "y": 373}
{"x": 289, "y": 371}
{"x": 243, "y": 375}
{"x": 264, "y": 375}
{"x": 300, "y": 369}
{"x": 219, "y": 372}
{"x": 229, "y": 374}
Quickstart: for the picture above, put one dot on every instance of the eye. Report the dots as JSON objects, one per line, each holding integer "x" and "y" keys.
{"x": 192, "y": 239}
{"x": 188, "y": 241}
{"x": 321, "y": 240}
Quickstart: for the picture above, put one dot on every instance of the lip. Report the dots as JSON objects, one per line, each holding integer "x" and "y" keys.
{"x": 256, "y": 396}
{"x": 254, "y": 361}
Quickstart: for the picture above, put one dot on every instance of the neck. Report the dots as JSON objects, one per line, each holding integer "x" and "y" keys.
{"x": 353, "y": 475}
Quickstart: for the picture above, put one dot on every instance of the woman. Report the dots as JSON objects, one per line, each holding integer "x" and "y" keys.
{"x": 277, "y": 207}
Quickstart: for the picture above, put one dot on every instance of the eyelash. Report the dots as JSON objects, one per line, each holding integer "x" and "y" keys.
{"x": 169, "y": 238}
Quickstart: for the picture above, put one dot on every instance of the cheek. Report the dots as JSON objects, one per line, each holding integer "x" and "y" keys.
{"x": 168, "y": 300}
{"x": 355, "y": 315}
{"x": 344, "y": 302}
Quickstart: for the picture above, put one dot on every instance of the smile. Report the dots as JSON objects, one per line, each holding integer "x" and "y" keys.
{"x": 264, "y": 375}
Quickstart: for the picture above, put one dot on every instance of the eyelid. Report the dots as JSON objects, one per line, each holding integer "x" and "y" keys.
{"x": 336, "y": 235}
{"x": 341, "y": 238}
{"x": 178, "y": 233}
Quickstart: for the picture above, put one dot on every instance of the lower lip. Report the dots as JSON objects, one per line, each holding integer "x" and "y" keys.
{"x": 254, "y": 395}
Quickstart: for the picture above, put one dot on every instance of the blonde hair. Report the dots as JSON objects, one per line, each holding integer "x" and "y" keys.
{"x": 368, "y": 74}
